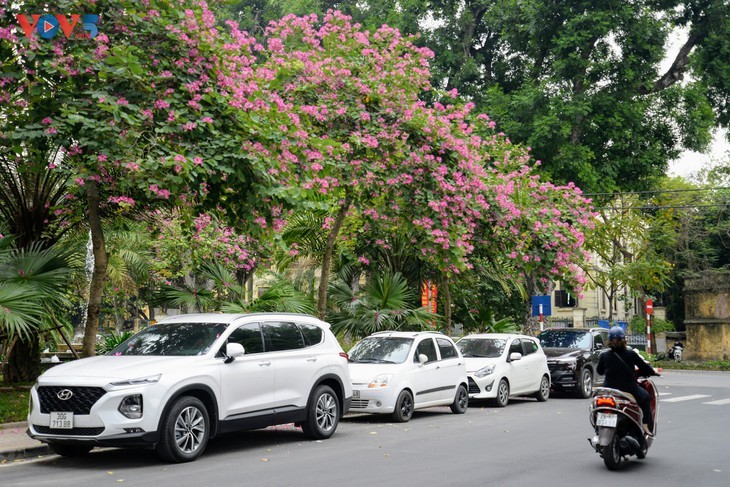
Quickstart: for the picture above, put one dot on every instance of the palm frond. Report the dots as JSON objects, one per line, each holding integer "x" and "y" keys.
{"x": 20, "y": 310}
{"x": 186, "y": 297}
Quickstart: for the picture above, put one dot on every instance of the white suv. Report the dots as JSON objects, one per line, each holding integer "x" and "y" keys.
{"x": 399, "y": 372}
{"x": 178, "y": 383}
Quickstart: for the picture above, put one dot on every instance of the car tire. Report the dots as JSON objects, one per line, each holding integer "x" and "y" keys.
{"x": 543, "y": 393}
{"x": 323, "y": 414}
{"x": 67, "y": 450}
{"x": 502, "y": 398}
{"x": 404, "y": 407}
{"x": 461, "y": 400}
{"x": 585, "y": 385}
{"x": 185, "y": 431}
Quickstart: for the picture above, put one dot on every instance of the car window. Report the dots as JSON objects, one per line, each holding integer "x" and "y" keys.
{"x": 172, "y": 339}
{"x": 427, "y": 348}
{"x": 529, "y": 346}
{"x": 248, "y": 335}
{"x": 565, "y": 339}
{"x": 312, "y": 334}
{"x": 598, "y": 341}
{"x": 388, "y": 350}
{"x": 482, "y": 347}
{"x": 446, "y": 348}
{"x": 282, "y": 336}
{"x": 515, "y": 346}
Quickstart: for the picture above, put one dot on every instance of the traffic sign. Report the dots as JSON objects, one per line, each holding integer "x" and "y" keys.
{"x": 649, "y": 306}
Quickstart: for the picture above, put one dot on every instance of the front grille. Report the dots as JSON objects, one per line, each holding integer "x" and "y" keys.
{"x": 552, "y": 367}
{"x": 80, "y": 402}
{"x": 45, "y": 430}
{"x": 359, "y": 404}
{"x": 473, "y": 387}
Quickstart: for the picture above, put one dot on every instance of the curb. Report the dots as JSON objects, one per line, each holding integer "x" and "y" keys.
{"x": 24, "y": 453}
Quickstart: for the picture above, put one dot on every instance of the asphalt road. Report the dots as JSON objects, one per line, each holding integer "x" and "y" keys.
{"x": 526, "y": 443}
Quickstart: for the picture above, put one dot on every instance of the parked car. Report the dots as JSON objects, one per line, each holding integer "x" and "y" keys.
{"x": 398, "y": 372}
{"x": 179, "y": 383}
{"x": 573, "y": 357}
{"x": 500, "y": 365}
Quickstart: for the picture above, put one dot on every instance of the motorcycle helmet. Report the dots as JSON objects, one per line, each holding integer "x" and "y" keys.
{"x": 616, "y": 333}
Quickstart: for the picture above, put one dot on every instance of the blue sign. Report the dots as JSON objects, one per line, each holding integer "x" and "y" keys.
{"x": 545, "y": 302}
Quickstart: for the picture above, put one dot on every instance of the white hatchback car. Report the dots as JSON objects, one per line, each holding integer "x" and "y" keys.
{"x": 180, "y": 382}
{"x": 399, "y": 372}
{"x": 501, "y": 365}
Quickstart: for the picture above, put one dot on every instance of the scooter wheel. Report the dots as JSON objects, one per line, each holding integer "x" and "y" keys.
{"x": 612, "y": 454}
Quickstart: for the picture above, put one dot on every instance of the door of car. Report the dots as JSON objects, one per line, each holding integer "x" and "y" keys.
{"x": 452, "y": 366}
{"x": 297, "y": 363}
{"x": 247, "y": 382}
{"x": 535, "y": 363}
{"x": 427, "y": 379}
{"x": 519, "y": 369}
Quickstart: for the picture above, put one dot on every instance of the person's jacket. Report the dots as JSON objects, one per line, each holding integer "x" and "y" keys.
{"x": 620, "y": 375}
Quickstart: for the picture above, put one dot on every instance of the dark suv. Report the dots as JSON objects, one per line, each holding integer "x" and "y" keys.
{"x": 573, "y": 356}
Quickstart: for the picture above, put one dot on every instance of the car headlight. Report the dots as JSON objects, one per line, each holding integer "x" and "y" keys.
{"x": 151, "y": 379}
{"x": 485, "y": 371}
{"x": 567, "y": 365}
{"x": 380, "y": 381}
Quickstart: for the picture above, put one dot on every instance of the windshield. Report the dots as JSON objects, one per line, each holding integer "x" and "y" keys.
{"x": 565, "y": 339}
{"x": 172, "y": 339}
{"x": 482, "y": 347}
{"x": 385, "y": 350}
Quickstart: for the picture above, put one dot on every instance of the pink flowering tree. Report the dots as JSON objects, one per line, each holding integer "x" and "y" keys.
{"x": 151, "y": 112}
{"x": 368, "y": 149}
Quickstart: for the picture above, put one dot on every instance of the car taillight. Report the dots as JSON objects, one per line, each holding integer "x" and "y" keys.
{"x": 345, "y": 356}
{"x": 606, "y": 401}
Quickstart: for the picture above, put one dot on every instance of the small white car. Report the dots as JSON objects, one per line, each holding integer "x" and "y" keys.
{"x": 398, "y": 372}
{"x": 501, "y": 365}
{"x": 180, "y": 382}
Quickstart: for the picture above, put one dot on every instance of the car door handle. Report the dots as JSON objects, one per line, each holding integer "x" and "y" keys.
{"x": 264, "y": 363}
{"x": 312, "y": 359}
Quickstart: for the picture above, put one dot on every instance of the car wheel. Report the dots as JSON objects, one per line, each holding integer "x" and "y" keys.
{"x": 323, "y": 414}
{"x": 544, "y": 392}
{"x": 185, "y": 431}
{"x": 612, "y": 454}
{"x": 66, "y": 450}
{"x": 461, "y": 401}
{"x": 403, "y": 407}
{"x": 502, "y": 393}
{"x": 585, "y": 386}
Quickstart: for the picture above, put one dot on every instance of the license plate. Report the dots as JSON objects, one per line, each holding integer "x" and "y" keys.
{"x": 62, "y": 421}
{"x": 355, "y": 394}
{"x": 607, "y": 420}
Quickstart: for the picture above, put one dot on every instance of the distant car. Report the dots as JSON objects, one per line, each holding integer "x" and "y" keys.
{"x": 180, "y": 382}
{"x": 573, "y": 357}
{"x": 501, "y": 365}
{"x": 397, "y": 373}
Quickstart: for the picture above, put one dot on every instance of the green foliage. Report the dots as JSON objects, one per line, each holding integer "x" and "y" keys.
{"x": 637, "y": 324}
{"x": 281, "y": 297}
{"x": 14, "y": 402}
{"x": 111, "y": 341}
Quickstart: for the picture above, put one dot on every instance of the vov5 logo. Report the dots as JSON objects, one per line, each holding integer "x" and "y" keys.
{"x": 48, "y": 25}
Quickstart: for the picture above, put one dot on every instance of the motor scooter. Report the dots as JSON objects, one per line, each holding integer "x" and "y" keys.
{"x": 675, "y": 353}
{"x": 617, "y": 419}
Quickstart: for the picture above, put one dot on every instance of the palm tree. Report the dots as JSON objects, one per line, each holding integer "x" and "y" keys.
{"x": 32, "y": 292}
{"x": 383, "y": 304}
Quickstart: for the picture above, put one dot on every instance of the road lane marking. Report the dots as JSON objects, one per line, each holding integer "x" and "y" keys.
{"x": 665, "y": 393}
{"x": 686, "y": 398}
{"x": 719, "y": 402}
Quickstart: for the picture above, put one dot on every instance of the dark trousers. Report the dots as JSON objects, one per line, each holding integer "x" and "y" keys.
{"x": 645, "y": 403}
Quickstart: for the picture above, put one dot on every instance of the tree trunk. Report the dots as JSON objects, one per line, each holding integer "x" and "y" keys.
{"x": 24, "y": 360}
{"x": 327, "y": 258}
{"x": 96, "y": 287}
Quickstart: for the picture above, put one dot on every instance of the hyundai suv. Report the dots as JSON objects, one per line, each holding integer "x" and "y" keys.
{"x": 181, "y": 382}
{"x": 398, "y": 372}
{"x": 573, "y": 357}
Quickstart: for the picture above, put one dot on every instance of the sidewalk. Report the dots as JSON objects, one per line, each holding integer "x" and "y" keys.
{"x": 15, "y": 444}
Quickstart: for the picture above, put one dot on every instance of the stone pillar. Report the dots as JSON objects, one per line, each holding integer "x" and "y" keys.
{"x": 707, "y": 316}
{"x": 579, "y": 317}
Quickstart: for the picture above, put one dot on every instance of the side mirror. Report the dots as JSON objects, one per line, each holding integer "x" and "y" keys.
{"x": 598, "y": 346}
{"x": 234, "y": 350}
{"x": 515, "y": 356}
{"x": 422, "y": 358}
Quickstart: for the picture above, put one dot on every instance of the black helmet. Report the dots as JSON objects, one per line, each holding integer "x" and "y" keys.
{"x": 616, "y": 333}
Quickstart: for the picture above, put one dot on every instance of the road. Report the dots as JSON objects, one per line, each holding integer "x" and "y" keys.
{"x": 526, "y": 443}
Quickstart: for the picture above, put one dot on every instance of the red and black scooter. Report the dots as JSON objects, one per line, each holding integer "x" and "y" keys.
{"x": 617, "y": 420}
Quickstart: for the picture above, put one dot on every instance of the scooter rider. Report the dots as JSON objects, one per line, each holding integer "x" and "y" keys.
{"x": 617, "y": 364}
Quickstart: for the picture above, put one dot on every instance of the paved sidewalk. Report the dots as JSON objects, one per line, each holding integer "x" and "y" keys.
{"x": 15, "y": 444}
